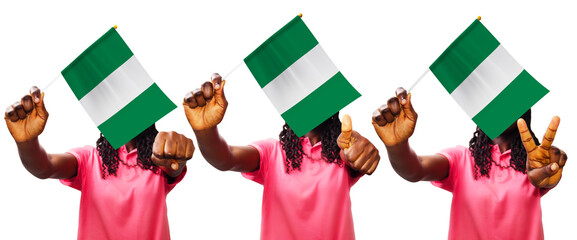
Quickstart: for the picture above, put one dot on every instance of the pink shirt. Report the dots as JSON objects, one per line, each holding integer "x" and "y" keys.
{"x": 504, "y": 206}
{"x": 313, "y": 203}
{"x": 131, "y": 205}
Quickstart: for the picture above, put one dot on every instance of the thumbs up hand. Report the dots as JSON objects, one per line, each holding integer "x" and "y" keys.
{"x": 357, "y": 151}
{"x": 545, "y": 162}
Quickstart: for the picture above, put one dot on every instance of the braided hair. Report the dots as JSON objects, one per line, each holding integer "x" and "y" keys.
{"x": 480, "y": 147}
{"x": 329, "y": 130}
{"x": 143, "y": 143}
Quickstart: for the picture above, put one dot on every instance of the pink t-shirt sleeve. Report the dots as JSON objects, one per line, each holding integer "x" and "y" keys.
{"x": 170, "y": 186}
{"x": 82, "y": 155}
{"x": 455, "y": 157}
{"x": 264, "y": 148}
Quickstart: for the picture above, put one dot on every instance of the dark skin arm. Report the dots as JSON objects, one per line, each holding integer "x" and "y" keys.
{"x": 26, "y": 120}
{"x": 395, "y": 123}
{"x": 205, "y": 109}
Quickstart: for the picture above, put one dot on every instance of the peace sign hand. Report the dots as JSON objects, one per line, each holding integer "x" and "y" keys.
{"x": 544, "y": 163}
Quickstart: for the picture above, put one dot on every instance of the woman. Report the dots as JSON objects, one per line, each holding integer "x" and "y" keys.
{"x": 123, "y": 192}
{"x": 306, "y": 180}
{"x": 496, "y": 184}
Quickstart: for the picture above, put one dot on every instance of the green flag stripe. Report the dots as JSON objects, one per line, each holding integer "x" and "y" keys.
{"x": 329, "y": 98}
{"x": 510, "y": 104}
{"x": 136, "y": 116}
{"x": 280, "y": 51}
{"x": 96, "y": 63}
{"x": 464, "y": 55}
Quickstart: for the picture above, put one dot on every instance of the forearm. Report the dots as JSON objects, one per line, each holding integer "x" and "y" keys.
{"x": 405, "y": 162}
{"x": 35, "y": 159}
{"x": 214, "y": 149}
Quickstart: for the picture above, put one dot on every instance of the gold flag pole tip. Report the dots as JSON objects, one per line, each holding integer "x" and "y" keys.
{"x": 300, "y": 15}
{"x": 479, "y": 18}
{"x": 115, "y": 26}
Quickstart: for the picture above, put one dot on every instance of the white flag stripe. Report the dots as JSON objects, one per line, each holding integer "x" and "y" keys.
{"x": 299, "y": 80}
{"x": 117, "y": 90}
{"x": 493, "y": 75}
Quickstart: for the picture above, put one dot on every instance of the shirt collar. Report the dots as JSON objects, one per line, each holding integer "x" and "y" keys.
{"x": 495, "y": 150}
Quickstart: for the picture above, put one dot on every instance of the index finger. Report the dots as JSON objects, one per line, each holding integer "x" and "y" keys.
{"x": 158, "y": 145}
{"x": 550, "y": 133}
{"x": 526, "y": 137}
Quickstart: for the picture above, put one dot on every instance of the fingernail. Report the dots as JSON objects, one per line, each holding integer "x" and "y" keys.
{"x": 174, "y": 166}
{"x": 554, "y": 167}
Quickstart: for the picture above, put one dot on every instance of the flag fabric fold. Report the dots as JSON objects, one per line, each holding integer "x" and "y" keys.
{"x": 299, "y": 78}
{"x": 485, "y": 80}
{"x": 115, "y": 90}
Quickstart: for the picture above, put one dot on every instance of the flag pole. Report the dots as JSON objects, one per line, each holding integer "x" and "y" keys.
{"x": 418, "y": 80}
{"x": 231, "y": 71}
{"x": 427, "y": 71}
{"x": 50, "y": 83}
{"x": 59, "y": 75}
{"x": 237, "y": 66}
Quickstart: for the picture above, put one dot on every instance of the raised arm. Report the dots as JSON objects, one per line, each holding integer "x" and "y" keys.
{"x": 395, "y": 123}
{"x": 205, "y": 108}
{"x": 26, "y": 120}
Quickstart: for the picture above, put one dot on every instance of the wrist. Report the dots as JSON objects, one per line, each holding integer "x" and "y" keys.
{"x": 26, "y": 142}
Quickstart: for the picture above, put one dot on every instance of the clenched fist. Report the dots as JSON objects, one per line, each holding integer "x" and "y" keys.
{"x": 170, "y": 149}
{"x": 205, "y": 107}
{"x": 395, "y": 121}
{"x": 27, "y": 118}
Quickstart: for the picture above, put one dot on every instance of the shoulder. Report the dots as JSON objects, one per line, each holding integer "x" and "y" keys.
{"x": 267, "y": 145}
{"x": 84, "y": 150}
{"x": 455, "y": 154}
{"x": 456, "y": 151}
{"x": 85, "y": 153}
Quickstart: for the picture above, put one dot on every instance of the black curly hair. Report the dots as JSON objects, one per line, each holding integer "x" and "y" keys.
{"x": 480, "y": 147}
{"x": 329, "y": 130}
{"x": 143, "y": 143}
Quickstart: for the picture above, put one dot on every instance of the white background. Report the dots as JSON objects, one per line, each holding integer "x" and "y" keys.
{"x": 378, "y": 46}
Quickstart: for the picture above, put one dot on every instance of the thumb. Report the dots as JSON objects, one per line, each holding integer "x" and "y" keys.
{"x": 38, "y": 98}
{"x": 218, "y": 84}
{"x": 405, "y": 100}
{"x": 344, "y": 140}
{"x": 539, "y": 174}
{"x": 174, "y": 165}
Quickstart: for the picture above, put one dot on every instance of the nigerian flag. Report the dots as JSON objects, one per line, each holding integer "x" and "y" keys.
{"x": 115, "y": 90}
{"x": 485, "y": 80}
{"x": 299, "y": 78}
